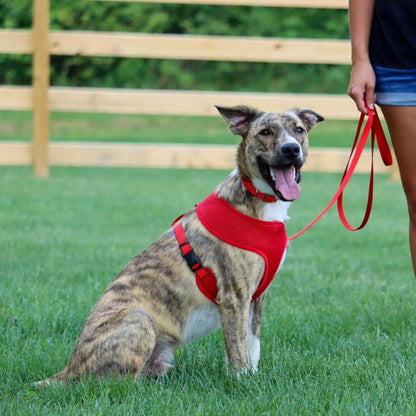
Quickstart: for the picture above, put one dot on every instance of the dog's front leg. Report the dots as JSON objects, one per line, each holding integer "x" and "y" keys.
{"x": 235, "y": 319}
{"x": 253, "y": 335}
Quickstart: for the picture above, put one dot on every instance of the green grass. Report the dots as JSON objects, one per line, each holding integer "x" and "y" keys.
{"x": 339, "y": 328}
{"x": 155, "y": 129}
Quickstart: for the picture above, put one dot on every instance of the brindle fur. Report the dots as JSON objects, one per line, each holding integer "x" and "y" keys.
{"x": 154, "y": 305}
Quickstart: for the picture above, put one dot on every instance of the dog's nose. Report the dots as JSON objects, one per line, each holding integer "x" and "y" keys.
{"x": 291, "y": 150}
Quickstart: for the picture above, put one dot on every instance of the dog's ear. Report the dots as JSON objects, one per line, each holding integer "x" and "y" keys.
{"x": 239, "y": 117}
{"x": 309, "y": 118}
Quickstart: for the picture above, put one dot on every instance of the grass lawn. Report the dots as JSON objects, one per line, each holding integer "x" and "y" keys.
{"x": 339, "y": 328}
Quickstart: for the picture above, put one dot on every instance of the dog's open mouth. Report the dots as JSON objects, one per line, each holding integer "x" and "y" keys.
{"x": 284, "y": 180}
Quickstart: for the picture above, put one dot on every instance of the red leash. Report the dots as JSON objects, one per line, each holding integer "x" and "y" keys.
{"x": 374, "y": 127}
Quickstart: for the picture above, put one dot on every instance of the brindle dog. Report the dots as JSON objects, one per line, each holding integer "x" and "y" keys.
{"x": 154, "y": 305}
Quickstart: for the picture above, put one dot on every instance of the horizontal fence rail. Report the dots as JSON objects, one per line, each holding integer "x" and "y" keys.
{"x": 175, "y": 102}
{"x": 158, "y": 155}
{"x": 197, "y": 47}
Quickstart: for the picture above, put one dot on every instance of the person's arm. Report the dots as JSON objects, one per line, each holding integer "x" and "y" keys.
{"x": 362, "y": 79}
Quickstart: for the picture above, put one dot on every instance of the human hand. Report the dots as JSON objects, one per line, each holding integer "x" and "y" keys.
{"x": 361, "y": 86}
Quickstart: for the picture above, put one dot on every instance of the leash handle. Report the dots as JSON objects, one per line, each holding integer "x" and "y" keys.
{"x": 376, "y": 133}
{"x": 373, "y": 126}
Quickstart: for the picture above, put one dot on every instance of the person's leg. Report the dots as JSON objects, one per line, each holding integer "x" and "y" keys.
{"x": 401, "y": 121}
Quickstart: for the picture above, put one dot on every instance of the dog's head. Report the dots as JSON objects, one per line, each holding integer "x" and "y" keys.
{"x": 274, "y": 146}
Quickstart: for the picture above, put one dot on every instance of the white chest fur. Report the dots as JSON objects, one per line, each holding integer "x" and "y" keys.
{"x": 273, "y": 211}
{"x": 276, "y": 211}
{"x": 204, "y": 320}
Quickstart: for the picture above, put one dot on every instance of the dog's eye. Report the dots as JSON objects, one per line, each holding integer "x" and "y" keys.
{"x": 265, "y": 132}
{"x": 300, "y": 130}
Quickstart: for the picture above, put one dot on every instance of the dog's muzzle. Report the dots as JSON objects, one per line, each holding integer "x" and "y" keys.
{"x": 283, "y": 173}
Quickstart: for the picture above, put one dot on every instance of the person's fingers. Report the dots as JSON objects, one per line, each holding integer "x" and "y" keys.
{"x": 358, "y": 94}
{"x": 370, "y": 97}
{"x": 362, "y": 84}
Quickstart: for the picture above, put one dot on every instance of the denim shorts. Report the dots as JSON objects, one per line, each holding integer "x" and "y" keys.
{"x": 395, "y": 86}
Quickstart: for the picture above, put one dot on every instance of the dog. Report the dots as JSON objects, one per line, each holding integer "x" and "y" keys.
{"x": 209, "y": 269}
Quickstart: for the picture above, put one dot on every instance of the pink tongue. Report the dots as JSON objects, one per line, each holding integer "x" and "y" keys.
{"x": 286, "y": 184}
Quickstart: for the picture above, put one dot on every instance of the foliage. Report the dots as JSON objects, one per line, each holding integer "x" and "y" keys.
{"x": 184, "y": 19}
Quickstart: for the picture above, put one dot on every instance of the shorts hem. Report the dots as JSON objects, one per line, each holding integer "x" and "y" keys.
{"x": 399, "y": 99}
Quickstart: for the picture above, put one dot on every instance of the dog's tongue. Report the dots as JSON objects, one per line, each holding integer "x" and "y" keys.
{"x": 286, "y": 184}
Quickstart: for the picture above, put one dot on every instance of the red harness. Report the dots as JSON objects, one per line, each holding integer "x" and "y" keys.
{"x": 266, "y": 238}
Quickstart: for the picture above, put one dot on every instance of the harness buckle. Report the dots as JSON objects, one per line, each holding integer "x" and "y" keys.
{"x": 193, "y": 260}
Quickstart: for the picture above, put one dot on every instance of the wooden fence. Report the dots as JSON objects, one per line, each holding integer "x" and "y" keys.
{"x": 42, "y": 98}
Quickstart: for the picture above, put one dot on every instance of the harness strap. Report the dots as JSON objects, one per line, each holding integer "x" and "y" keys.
{"x": 205, "y": 278}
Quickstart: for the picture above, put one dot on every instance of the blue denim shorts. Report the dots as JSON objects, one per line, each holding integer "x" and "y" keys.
{"x": 395, "y": 86}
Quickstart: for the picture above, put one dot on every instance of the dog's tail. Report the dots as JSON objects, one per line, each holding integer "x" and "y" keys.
{"x": 62, "y": 377}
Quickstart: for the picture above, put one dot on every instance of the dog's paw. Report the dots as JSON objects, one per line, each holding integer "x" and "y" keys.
{"x": 246, "y": 371}
{"x": 158, "y": 368}
{"x": 242, "y": 372}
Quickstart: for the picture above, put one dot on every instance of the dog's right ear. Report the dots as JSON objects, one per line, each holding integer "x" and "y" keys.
{"x": 239, "y": 117}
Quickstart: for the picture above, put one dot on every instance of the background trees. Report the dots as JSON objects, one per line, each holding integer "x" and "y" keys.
{"x": 184, "y": 19}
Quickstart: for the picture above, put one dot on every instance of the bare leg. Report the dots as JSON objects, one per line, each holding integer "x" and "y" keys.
{"x": 401, "y": 121}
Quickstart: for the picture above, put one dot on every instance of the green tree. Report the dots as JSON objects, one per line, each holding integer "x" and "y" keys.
{"x": 183, "y": 19}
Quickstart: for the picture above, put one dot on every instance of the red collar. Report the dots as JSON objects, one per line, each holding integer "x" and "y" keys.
{"x": 253, "y": 190}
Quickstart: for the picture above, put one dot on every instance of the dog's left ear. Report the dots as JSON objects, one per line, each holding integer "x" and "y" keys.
{"x": 309, "y": 118}
{"x": 238, "y": 117}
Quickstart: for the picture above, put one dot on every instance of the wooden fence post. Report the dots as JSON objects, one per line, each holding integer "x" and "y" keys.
{"x": 40, "y": 87}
